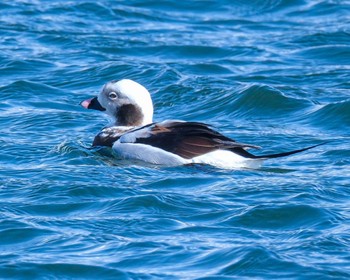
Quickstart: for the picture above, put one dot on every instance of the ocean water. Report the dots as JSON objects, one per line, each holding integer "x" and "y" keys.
{"x": 273, "y": 73}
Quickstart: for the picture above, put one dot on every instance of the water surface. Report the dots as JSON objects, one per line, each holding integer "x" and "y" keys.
{"x": 272, "y": 73}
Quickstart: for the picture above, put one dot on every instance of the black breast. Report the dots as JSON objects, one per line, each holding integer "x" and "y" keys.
{"x": 108, "y": 136}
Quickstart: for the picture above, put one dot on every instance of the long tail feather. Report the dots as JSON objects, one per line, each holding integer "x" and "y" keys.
{"x": 246, "y": 154}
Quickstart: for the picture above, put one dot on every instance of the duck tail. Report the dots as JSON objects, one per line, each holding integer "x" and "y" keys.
{"x": 246, "y": 154}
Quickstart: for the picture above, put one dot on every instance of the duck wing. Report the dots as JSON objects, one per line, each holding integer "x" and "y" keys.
{"x": 185, "y": 139}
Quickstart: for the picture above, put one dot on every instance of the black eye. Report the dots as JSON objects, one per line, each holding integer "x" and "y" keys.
{"x": 112, "y": 95}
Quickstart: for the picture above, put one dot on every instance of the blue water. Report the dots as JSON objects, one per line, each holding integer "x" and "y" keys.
{"x": 271, "y": 73}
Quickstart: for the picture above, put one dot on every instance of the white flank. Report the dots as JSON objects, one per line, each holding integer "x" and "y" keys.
{"x": 147, "y": 153}
{"x": 227, "y": 159}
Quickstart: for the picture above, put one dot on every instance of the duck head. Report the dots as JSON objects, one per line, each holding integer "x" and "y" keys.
{"x": 127, "y": 102}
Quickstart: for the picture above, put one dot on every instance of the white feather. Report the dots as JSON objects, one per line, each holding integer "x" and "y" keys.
{"x": 132, "y": 136}
{"x": 227, "y": 159}
{"x": 147, "y": 153}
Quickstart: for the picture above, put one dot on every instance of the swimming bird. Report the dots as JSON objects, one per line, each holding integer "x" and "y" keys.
{"x": 134, "y": 135}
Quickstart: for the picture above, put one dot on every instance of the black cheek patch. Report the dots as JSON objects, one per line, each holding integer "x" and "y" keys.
{"x": 129, "y": 115}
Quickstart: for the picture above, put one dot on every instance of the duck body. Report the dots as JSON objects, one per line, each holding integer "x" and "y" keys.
{"x": 174, "y": 143}
{"x": 133, "y": 135}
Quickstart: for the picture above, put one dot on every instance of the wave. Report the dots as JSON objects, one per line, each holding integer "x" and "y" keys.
{"x": 287, "y": 217}
{"x": 329, "y": 54}
{"x": 275, "y": 72}
{"x": 335, "y": 116}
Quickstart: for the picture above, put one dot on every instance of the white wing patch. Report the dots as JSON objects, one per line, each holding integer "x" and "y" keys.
{"x": 131, "y": 136}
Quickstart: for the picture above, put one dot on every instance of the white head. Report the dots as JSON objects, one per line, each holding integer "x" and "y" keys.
{"x": 127, "y": 102}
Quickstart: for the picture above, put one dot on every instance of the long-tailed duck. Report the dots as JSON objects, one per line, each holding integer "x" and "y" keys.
{"x": 134, "y": 135}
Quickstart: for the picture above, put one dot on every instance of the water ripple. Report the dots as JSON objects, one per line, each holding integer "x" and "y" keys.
{"x": 273, "y": 73}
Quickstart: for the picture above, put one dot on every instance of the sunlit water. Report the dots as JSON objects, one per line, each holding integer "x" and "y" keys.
{"x": 272, "y": 73}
